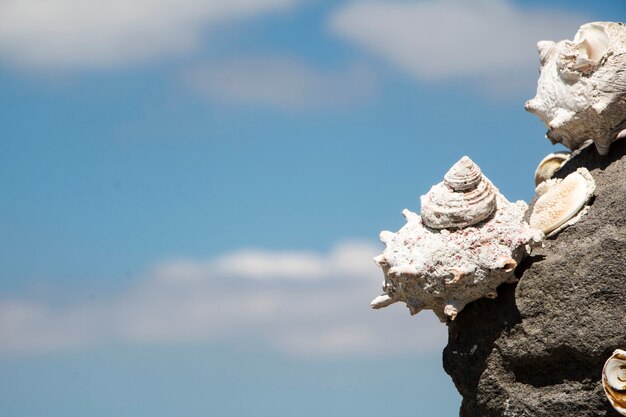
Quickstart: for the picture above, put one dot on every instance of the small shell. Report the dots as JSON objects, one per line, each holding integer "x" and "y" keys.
{"x": 464, "y": 198}
{"x": 614, "y": 380}
{"x": 549, "y": 165}
{"x": 560, "y": 200}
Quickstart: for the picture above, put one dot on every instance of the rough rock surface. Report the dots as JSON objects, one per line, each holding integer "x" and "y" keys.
{"x": 538, "y": 349}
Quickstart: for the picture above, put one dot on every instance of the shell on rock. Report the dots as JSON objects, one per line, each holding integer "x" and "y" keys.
{"x": 549, "y": 165}
{"x": 444, "y": 269}
{"x": 559, "y": 201}
{"x": 581, "y": 92}
{"x": 614, "y": 380}
{"x": 465, "y": 197}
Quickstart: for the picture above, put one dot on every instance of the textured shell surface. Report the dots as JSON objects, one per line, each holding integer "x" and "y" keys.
{"x": 581, "y": 92}
{"x": 614, "y": 380}
{"x": 559, "y": 201}
{"x": 443, "y": 269}
{"x": 465, "y": 197}
{"x": 549, "y": 165}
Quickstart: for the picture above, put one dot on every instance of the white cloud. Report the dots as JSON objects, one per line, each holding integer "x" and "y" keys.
{"x": 74, "y": 34}
{"x": 300, "y": 303}
{"x": 281, "y": 82}
{"x": 444, "y": 39}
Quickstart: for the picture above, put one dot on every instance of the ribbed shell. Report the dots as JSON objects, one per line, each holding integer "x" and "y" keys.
{"x": 464, "y": 198}
{"x": 463, "y": 176}
{"x": 614, "y": 380}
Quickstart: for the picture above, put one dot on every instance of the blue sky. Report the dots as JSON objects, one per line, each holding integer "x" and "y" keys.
{"x": 193, "y": 190}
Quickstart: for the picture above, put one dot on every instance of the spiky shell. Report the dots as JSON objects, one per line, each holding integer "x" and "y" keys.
{"x": 614, "y": 380}
{"x": 549, "y": 165}
{"x": 465, "y": 197}
{"x": 444, "y": 269}
{"x": 581, "y": 92}
{"x": 560, "y": 200}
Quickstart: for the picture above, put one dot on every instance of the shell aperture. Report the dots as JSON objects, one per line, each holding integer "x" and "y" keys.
{"x": 614, "y": 380}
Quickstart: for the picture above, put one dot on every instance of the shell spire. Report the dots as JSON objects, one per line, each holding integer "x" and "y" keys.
{"x": 464, "y": 198}
{"x": 463, "y": 176}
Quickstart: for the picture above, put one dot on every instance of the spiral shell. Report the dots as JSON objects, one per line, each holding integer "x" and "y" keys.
{"x": 614, "y": 380}
{"x": 464, "y": 198}
{"x": 483, "y": 238}
{"x": 581, "y": 92}
{"x": 549, "y": 165}
{"x": 559, "y": 201}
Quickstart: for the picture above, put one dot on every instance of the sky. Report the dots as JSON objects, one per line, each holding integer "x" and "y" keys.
{"x": 192, "y": 193}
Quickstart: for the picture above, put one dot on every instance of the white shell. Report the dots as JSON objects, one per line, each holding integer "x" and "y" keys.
{"x": 444, "y": 269}
{"x": 549, "y": 165}
{"x": 464, "y": 198}
{"x": 614, "y": 380}
{"x": 559, "y": 200}
{"x": 581, "y": 92}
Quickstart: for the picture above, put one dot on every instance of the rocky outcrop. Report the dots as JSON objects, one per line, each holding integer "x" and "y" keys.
{"x": 538, "y": 349}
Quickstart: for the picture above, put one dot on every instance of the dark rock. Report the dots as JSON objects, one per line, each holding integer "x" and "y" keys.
{"x": 538, "y": 349}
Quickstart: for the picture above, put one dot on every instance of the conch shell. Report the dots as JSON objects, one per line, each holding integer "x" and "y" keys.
{"x": 614, "y": 380}
{"x": 465, "y": 197}
{"x": 560, "y": 202}
{"x": 467, "y": 241}
{"x": 581, "y": 92}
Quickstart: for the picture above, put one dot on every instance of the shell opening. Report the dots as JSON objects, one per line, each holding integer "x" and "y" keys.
{"x": 457, "y": 275}
{"x": 615, "y": 373}
{"x": 509, "y": 265}
{"x": 594, "y": 40}
{"x": 584, "y": 53}
{"x": 549, "y": 165}
{"x": 614, "y": 380}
